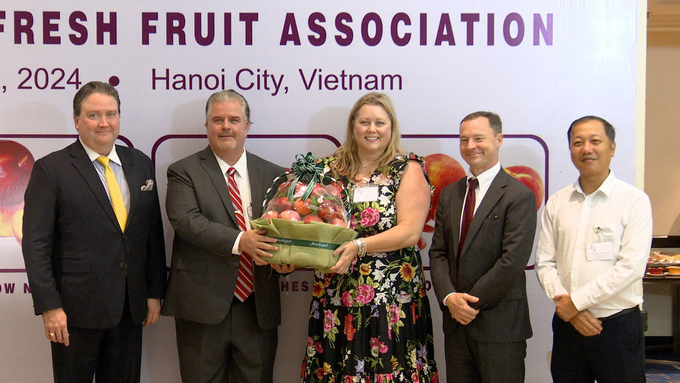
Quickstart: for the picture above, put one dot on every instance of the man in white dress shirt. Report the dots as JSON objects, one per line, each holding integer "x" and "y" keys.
{"x": 592, "y": 253}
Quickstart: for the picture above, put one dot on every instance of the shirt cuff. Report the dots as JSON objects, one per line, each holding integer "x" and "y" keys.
{"x": 234, "y": 249}
{"x": 447, "y": 297}
{"x": 580, "y": 301}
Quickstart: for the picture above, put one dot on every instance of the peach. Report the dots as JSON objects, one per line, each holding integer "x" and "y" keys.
{"x": 337, "y": 222}
{"x": 289, "y": 215}
{"x": 311, "y": 218}
{"x": 302, "y": 207}
{"x": 270, "y": 214}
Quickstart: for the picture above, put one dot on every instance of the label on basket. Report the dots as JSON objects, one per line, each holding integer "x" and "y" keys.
{"x": 367, "y": 193}
{"x": 301, "y": 242}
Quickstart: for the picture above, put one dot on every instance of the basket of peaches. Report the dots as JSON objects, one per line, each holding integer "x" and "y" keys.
{"x": 307, "y": 215}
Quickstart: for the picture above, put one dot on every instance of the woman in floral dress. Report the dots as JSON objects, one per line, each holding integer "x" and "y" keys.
{"x": 370, "y": 319}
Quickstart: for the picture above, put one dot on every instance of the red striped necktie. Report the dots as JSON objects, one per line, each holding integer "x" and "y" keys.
{"x": 244, "y": 281}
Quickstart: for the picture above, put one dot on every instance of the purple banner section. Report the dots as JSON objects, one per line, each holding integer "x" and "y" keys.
{"x": 250, "y": 136}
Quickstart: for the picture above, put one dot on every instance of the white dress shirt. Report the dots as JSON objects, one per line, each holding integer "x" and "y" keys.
{"x": 243, "y": 183}
{"x": 117, "y": 168}
{"x": 484, "y": 180}
{"x": 618, "y": 217}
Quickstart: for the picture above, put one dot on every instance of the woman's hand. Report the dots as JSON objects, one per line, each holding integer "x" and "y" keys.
{"x": 347, "y": 252}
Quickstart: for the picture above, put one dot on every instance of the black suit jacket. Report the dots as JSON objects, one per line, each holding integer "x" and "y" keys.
{"x": 203, "y": 277}
{"x": 77, "y": 257}
{"x": 496, "y": 251}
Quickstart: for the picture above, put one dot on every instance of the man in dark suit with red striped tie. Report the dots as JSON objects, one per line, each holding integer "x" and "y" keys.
{"x": 223, "y": 295}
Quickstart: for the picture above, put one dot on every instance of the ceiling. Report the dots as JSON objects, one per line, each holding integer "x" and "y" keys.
{"x": 663, "y": 15}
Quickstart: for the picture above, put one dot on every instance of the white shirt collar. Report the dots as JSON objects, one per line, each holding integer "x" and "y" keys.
{"x": 93, "y": 155}
{"x": 606, "y": 187}
{"x": 241, "y": 165}
{"x": 486, "y": 177}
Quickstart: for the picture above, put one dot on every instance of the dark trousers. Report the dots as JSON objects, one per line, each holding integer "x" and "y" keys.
{"x": 472, "y": 361}
{"x": 616, "y": 355}
{"x": 110, "y": 355}
{"x": 235, "y": 350}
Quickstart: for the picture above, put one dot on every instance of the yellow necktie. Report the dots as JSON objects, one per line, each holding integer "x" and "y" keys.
{"x": 114, "y": 192}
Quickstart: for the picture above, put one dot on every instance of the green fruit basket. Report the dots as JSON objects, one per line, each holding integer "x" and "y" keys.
{"x": 309, "y": 245}
{"x": 307, "y": 217}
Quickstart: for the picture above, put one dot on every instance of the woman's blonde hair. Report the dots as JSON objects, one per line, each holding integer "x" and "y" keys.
{"x": 348, "y": 163}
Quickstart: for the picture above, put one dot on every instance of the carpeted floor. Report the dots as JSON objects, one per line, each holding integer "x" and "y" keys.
{"x": 662, "y": 366}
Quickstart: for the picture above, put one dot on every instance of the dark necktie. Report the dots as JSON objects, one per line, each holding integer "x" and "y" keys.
{"x": 244, "y": 281}
{"x": 468, "y": 214}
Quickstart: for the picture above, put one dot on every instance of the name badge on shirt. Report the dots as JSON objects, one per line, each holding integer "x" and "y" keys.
{"x": 367, "y": 193}
{"x": 601, "y": 251}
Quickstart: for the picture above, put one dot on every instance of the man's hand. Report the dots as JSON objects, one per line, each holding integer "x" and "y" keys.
{"x": 153, "y": 311}
{"x": 257, "y": 245}
{"x": 283, "y": 269}
{"x": 55, "y": 326}
{"x": 460, "y": 309}
{"x": 586, "y": 324}
{"x": 565, "y": 307}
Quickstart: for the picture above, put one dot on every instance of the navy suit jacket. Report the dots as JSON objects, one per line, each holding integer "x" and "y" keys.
{"x": 77, "y": 257}
{"x": 496, "y": 251}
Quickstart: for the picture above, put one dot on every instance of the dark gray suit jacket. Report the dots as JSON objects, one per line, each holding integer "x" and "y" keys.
{"x": 77, "y": 257}
{"x": 495, "y": 253}
{"x": 203, "y": 277}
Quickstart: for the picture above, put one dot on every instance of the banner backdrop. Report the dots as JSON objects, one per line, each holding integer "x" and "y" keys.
{"x": 538, "y": 64}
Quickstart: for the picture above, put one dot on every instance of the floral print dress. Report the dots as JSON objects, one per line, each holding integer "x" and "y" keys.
{"x": 372, "y": 324}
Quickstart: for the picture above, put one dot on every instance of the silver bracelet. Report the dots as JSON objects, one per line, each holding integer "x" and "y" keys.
{"x": 362, "y": 247}
{"x": 357, "y": 245}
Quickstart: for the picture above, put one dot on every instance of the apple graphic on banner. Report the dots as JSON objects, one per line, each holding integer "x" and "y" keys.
{"x": 16, "y": 164}
{"x": 17, "y": 221}
{"x": 289, "y": 215}
{"x": 531, "y": 179}
{"x": 442, "y": 170}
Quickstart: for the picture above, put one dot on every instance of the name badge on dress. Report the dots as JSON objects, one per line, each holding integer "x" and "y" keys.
{"x": 601, "y": 251}
{"x": 367, "y": 193}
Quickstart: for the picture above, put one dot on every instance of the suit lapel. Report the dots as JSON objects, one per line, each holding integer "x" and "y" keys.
{"x": 457, "y": 212}
{"x": 256, "y": 187}
{"x": 84, "y": 166}
{"x": 212, "y": 168}
{"x": 134, "y": 180}
{"x": 492, "y": 196}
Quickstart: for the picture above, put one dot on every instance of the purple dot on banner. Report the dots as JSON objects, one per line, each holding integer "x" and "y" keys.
{"x": 114, "y": 80}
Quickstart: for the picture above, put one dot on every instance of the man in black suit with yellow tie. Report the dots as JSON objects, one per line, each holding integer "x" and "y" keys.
{"x": 93, "y": 246}
{"x": 226, "y": 308}
{"x": 484, "y": 233}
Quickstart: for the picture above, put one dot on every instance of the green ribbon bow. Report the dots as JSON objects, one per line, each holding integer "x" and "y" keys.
{"x": 307, "y": 170}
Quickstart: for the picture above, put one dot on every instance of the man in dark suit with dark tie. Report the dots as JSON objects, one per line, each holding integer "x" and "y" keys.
{"x": 226, "y": 309}
{"x": 484, "y": 233}
{"x": 93, "y": 246}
